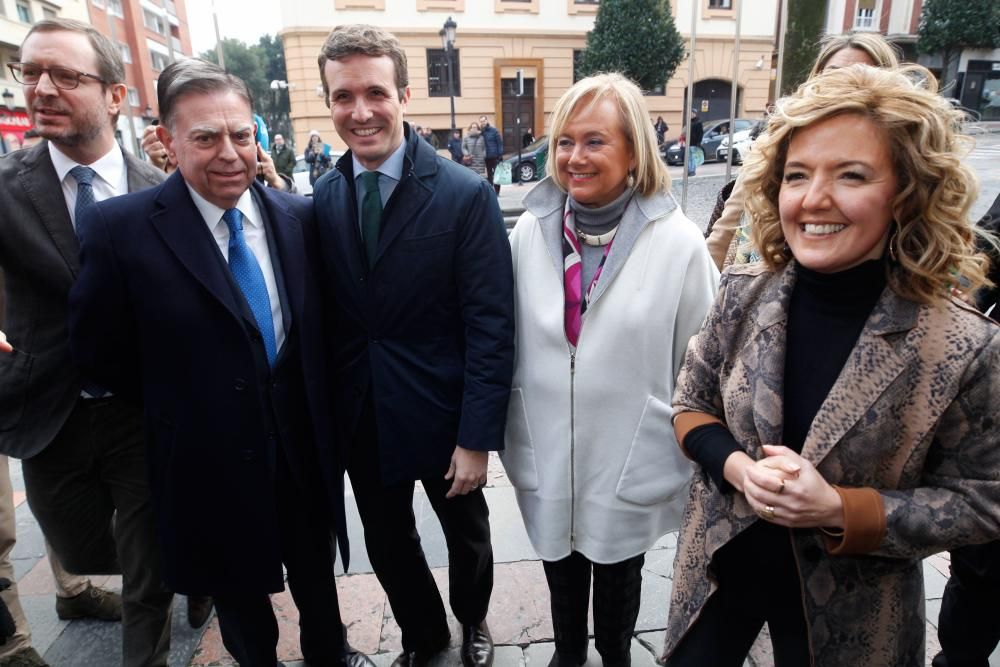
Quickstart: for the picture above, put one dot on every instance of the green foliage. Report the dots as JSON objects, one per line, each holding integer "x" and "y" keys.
{"x": 258, "y": 65}
{"x": 956, "y": 24}
{"x": 637, "y": 38}
{"x": 804, "y": 30}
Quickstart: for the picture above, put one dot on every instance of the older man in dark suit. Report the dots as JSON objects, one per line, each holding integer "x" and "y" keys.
{"x": 83, "y": 456}
{"x": 200, "y": 299}
{"x": 422, "y": 292}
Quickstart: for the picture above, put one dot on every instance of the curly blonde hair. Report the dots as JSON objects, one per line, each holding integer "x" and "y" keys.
{"x": 933, "y": 239}
{"x": 650, "y": 173}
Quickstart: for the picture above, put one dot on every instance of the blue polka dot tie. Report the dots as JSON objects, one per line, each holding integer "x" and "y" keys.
{"x": 250, "y": 278}
{"x": 84, "y": 195}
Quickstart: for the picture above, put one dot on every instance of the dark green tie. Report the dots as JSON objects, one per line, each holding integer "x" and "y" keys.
{"x": 371, "y": 213}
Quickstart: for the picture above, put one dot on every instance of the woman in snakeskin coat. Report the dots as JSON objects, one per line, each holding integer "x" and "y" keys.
{"x": 841, "y": 405}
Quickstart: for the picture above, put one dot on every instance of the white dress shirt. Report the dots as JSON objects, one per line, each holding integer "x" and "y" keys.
{"x": 111, "y": 179}
{"x": 256, "y": 239}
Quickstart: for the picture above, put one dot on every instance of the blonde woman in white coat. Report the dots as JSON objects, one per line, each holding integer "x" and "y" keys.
{"x": 612, "y": 280}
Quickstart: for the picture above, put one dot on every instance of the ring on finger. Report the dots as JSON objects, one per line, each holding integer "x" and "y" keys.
{"x": 767, "y": 513}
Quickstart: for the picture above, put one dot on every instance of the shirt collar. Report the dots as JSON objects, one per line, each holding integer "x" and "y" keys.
{"x": 109, "y": 167}
{"x": 391, "y": 167}
{"x": 213, "y": 214}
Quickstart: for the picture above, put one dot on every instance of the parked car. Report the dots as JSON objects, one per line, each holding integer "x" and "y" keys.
{"x": 532, "y": 165}
{"x": 714, "y": 132}
{"x": 741, "y": 146}
{"x": 300, "y": 174}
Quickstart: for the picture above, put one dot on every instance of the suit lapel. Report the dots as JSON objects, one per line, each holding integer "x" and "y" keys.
{"x": 139, "y": 174}
{"x": 873, "y": 365}
{"x": 286, "y": 229}
{"x": 42, "y": 186}
{"x": 183, "y": 229}
{"x": 763, "y": 357}
{"x": 409, "y": 196}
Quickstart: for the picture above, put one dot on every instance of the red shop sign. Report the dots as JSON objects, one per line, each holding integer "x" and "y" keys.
{"x": 14, "y": 121}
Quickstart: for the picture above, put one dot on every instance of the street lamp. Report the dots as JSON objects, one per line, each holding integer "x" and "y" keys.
{"x": 447, "y": 34}
{"x": 8, "y": 99}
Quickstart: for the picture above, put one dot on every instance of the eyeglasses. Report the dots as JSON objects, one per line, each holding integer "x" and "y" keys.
{"x": 61, "y": 77}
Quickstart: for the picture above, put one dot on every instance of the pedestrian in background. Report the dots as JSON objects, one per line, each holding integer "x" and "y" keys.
{"x": 598, "y": 475}
{"x": 317, "y": 156}
{"x": 282, "y": 156}
{"x": 838, "y": 400}
{"x": 421, "y": 291}
{"x": 696, "y": 132}
{"x": 661, "y": 127}
{"x": 455, "y": 146}
{"x": 494, "y": 149}
{"x": 474, "y": 150}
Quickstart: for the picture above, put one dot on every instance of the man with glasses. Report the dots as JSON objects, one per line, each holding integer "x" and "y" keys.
{"x": 83, "y": 454}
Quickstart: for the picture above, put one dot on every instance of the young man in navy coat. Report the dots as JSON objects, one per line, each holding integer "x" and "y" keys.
{"x": 199, "y": 298}
{"x": 421, "y": 289}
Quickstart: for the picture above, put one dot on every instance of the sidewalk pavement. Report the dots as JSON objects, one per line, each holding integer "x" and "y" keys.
{"x": 519, "y": 614}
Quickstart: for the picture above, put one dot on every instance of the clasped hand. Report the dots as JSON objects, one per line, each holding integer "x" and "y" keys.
{"x": 786, "y": 489}
{"x": 467, "y": 471}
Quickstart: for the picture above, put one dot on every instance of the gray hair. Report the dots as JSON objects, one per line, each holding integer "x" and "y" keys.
{"x": 109, "y": 59}
{"x": 194, "y": 75}
{"x": 345, "y": 41}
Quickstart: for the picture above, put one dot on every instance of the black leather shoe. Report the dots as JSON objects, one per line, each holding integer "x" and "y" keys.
{"x": 477, "y": 646}
{"x": 199, "y": 610}
{"x": 357, "y": 659}
{"x": 419, "y": 658}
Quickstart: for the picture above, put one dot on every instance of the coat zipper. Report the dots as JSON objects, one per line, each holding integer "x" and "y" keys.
{"x": 572, "y": 452}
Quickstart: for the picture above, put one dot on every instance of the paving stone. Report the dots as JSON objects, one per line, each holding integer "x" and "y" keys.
{"x": 653, "y": 642}
{"x": 508, "y": 656}
{"x": 538, "y": 655}
{"x": 362, "y": 606}
{"x": 656, "y": 586}
{"x": 90, "y": 643}
{"x": 40, "y": 610}
{"x": 934, "y": 582}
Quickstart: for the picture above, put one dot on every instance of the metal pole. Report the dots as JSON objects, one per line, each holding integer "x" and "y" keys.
{"x": 136, "y": 148}
{"x": 782, "y": 29}
{"x": 451, "y": 84}
{"x": 735, "y": 90}
{"x": 218, "y": 39}
{"x": 690, "y": 102}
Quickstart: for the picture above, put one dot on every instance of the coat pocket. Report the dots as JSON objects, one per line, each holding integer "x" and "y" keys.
{"x": 518, "y": 456}
{"x": 655, "y": 470}
{"x": 15, "y": 369}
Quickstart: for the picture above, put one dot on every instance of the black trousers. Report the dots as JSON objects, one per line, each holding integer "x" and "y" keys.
{"x": 249, "y": 628}
{"x": 617, "y": 592}
{"x": 396, "y": 555}
{"x": 89, "y": 490}
{"x": 491, "y": 167}
{"x": 758, "y": 583}
{"x": 969, "y": 623}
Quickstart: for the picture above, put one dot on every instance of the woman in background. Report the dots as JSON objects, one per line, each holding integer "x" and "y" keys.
{"x": 474, "y": 150}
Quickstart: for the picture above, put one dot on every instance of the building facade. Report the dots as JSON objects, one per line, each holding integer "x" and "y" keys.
{"x": 543, "y": 39}
{"x": 150, "y": 34}
{"x": 977, "y": 84}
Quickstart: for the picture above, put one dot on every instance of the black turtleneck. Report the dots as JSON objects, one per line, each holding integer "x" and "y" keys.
{"x": 826, "y": 314}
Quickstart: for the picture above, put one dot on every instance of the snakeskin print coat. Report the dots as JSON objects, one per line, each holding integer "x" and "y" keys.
{"x": 913, "y": 415}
